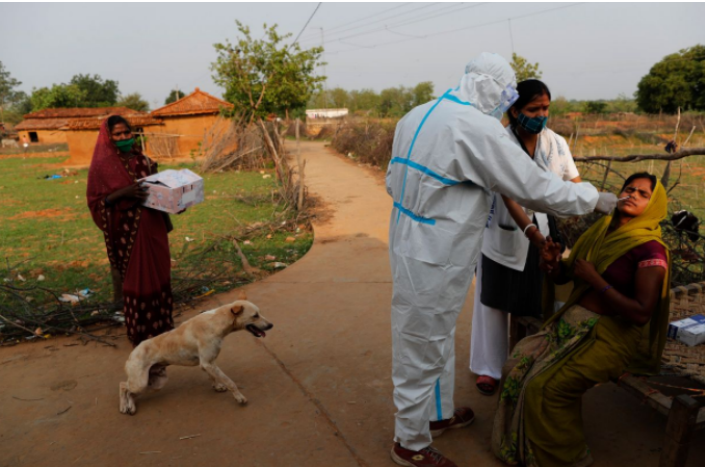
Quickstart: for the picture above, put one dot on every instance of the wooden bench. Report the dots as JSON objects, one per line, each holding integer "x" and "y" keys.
{"x": 685, "y": 415}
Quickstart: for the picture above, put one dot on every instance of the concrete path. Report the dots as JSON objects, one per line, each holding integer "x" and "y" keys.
{"x": 319, "y": 384}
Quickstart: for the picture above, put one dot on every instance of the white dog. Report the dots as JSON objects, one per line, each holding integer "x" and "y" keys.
{"x": 196, "y": 342}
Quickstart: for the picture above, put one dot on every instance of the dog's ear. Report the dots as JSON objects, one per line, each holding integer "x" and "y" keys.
{"x": 237, "y": 310}
{"x": 242, "y": 295}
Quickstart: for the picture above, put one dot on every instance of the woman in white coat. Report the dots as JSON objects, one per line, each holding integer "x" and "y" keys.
{"x": 508, "y": 279}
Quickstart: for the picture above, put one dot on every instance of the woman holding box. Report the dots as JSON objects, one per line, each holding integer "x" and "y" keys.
{"x": 135, "y": 236}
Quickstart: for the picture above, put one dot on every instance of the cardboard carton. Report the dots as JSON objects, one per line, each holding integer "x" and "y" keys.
{"x": 690, "y": 331}
{"x": 173, "y": 190}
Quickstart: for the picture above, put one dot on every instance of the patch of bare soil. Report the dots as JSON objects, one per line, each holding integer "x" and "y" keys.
{"x": 65, "y": 214}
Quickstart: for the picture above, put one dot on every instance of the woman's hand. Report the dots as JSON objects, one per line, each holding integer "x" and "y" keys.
{"x": 536, "y": 238}
{"x": 586, "y": 271}
{"x": 550, "y": 255}
{"x": 135, "y": 192}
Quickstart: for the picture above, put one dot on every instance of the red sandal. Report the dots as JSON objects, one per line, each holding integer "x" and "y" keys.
{"x": 486, "y": 385}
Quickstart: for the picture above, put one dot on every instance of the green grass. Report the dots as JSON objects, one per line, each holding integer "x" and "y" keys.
{"x": 47, "y": 229}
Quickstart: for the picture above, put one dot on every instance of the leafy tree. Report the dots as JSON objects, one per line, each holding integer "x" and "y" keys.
{"x": 394, "y": 102}
{"x": 422, "y": 93}
{"x": 595, "y": 107}
{"x": 622, "y": 104}
{"x": 390, "y": 102}
{"x": 8, "y": 95}
{"x": 20, "y": 106}
{"x": 339, "y": 98}
{"x": 676, "y": 81}
{"x": 174, "y": 96}
{"x": 523, "y": 69}
{"x": 133, "y": 101}
{"x": 59, "y": 95}
{"x": 365, "y": 100}
{"x": 560, "y": 106}
{"x": 98, "y": 92}
{"x": 263, "y": 76}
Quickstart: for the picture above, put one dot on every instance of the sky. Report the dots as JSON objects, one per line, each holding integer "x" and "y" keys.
{"x": 585, "y": 50}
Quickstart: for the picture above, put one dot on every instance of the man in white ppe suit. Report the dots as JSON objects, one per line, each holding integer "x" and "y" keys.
{"x": 448, "y": 156}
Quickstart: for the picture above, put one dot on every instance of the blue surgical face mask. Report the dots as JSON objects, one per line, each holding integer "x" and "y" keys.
{"x": 533, "y": 125}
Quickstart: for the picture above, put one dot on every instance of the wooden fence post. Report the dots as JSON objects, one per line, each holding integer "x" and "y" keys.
{"x": 300, "y": 202}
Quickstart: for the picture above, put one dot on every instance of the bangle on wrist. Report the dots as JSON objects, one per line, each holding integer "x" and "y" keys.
{"x": 605, "y": 289}
{"x": 527, "y": 228}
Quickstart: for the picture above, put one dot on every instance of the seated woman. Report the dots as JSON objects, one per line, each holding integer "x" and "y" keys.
{"x": 615, "y": 319}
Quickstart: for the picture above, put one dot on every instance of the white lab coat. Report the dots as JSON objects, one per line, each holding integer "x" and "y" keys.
{"x": 503, "y": 241}
{"x": 506, "y": 244}
{"x": 442, "y": 189}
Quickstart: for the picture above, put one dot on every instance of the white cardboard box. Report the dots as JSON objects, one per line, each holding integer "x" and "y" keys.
{"x": 690, "y": 331}
{"x": 173, "y": 190}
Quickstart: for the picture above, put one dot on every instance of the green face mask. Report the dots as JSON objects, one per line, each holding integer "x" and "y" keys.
{"x": 125, "y": 145}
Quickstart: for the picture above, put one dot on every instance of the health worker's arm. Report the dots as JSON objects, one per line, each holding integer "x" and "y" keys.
{"x": 503, "y": 167}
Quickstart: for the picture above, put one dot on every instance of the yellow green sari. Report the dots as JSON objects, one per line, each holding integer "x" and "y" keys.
{"x": 539, "y": 417}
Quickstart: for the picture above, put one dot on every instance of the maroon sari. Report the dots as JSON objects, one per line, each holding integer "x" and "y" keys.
{"x": 135, "y": 238}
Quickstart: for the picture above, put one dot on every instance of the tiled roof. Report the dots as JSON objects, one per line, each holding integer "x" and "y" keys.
{"x": 196, "y": 103}
{"x": 82, "y": 112}
{"x": 94, "y": 123}
{"x": 40, "y": 124}
{"x": 53, "y": 119}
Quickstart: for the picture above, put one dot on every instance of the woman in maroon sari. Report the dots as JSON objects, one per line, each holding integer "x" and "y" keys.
{"x": 135, "y": 236}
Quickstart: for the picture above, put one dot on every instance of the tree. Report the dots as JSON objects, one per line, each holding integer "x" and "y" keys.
{"x": 174, "y": 96}
{"x": 98, "y": 92}
{"x": 263, "y": 76}
{"x": 394, "y": 102}
{"x": 59, "y": 95}
{"x": 133, "y": 101}
{"x": 7, "y": 90}
{"x": 20, "y": 106}
{"x": 676, "y": 81}
{"x": 523, "y": 69}
{"x": 595, "y": 107}
{"x": 622, "y": 104}
{"x": 365, "y": 100}
{"x": 422, "y": 93}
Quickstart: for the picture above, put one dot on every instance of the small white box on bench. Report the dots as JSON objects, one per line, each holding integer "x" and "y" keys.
{"x": 690, "y": 331}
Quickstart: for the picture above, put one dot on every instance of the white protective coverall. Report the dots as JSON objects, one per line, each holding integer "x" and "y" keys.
{"x": 448, "y": 157}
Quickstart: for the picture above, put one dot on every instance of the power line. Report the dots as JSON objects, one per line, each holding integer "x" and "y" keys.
{"x": 361, "y": 19}
{"x": 424, "y": 18}
{"x": 306, "y": 25}
{"x": 468, "y": 27}
{"x": 379, "y": 20}
{"x": 407, "y": 21}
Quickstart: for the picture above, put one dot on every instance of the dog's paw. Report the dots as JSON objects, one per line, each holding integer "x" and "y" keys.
{"x": 128, "y": 409}
{"x": 220, "y": 387}
{"x": 242, "y": 400}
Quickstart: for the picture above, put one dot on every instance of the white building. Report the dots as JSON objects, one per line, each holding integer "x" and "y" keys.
{"x": 325, "y": 113}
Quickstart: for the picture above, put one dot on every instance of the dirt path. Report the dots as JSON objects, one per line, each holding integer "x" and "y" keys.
{"x": 319, "y": 384}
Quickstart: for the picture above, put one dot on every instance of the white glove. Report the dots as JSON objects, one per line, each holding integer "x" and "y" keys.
{"x": 606, "y": 202}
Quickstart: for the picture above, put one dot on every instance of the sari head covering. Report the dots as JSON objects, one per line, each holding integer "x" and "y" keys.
{"x": 106, "y": 175}
{"x": 602, "y": 249}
